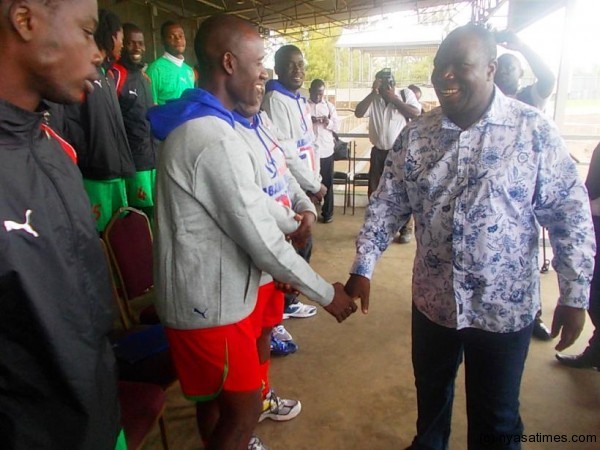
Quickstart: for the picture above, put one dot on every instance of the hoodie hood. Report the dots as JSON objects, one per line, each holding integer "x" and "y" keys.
{"x": 245, "y": 122}
{"x": 274, "y": 85}
{"x": 193, "y": 104}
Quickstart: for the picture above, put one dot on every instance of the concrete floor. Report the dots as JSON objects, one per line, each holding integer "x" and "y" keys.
{"x": 355, "y": 379}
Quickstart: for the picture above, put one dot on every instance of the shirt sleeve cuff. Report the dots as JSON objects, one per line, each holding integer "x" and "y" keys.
{"x": 364, "y": 265}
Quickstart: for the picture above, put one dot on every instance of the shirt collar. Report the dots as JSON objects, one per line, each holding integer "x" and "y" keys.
{"x": 174, "y": 59}
{"x": 498, "y": 113}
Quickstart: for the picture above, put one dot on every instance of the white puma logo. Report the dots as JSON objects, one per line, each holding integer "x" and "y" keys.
{"x": 134, "y": 92}
{"x": 12, "y": 226}
{"x": 98, "y": 82}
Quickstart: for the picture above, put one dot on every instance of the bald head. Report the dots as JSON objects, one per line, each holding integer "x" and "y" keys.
{"x": 230, "y": 54}
{"x": 216, "y": 36}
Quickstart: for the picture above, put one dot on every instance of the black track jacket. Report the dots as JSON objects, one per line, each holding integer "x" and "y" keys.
{"x": 135, "y": 97}
{"x": 58, "y": 385}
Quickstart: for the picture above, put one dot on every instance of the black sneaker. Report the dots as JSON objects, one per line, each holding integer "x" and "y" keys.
{"x": 582, "y": 361}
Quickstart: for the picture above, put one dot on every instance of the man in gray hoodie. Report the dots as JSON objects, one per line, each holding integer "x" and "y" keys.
{"x": 216, "y": 235}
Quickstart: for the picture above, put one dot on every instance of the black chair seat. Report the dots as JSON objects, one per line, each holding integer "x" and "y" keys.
{"x": 341, "y": 176}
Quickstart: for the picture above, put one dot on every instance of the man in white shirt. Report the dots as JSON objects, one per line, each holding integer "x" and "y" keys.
{"x": 387, "y": 111}
{"x": 325, "y": 122}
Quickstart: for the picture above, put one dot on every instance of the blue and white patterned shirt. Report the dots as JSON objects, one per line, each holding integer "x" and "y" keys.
{"x": 479, "y": 196}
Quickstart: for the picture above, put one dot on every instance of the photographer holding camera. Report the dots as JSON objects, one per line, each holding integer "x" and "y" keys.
{"x": 388, "y": 111}
{"x": 510, "y": 72}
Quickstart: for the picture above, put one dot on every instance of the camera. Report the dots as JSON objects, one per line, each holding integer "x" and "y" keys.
{"x": 386, "y": 77}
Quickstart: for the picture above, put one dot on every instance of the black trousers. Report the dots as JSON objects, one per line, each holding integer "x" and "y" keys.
{"x": 376, "y": 165}
{"x": 494, "y": 365}
{"x": 327, "y": 180}
{"x": 593, "y": 348}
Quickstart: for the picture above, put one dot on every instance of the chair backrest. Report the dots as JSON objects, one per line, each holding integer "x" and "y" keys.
{"x": 128, "y": 236}
{"x": 339, "y": 177}
{"x": 124, "y": 313}
{"x": 357, "y": 175}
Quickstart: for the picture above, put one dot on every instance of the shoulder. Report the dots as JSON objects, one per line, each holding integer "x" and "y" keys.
{"x": 196, "y": 136}
{"x": 276, "y": 99}
{"x": 272, "y": 95}
{"x": 120, "y": 75}
{"x": 157, "y": 64}
{"x": 430, "y": 119}
{"x": 211, "y": 127}
{"x": 524, "y": 94}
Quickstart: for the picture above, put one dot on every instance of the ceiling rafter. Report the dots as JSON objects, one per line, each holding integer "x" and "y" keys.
{"x": 286, "y": 17}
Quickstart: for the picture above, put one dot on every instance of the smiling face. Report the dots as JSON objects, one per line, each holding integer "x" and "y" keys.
{"x": 290, "y": 71}
{"x": 134, "y": 47}
{"x": 246, "y": 85}
{"x": 463, "y": 76}
{"x": 62, "y": 55}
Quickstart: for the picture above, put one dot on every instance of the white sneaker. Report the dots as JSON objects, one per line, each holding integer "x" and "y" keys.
{"x": 279, "y": 332}
{"x": 256, "y": 444}
{"x": 279, "y": 409}
{"x": 299, "y": 310}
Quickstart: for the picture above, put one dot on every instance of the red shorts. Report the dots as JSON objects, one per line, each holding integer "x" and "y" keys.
{"x": 269, "y": 307}
{"x": 210, "y": 360}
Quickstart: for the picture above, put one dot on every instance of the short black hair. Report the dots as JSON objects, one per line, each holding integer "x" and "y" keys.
{"x": 484, "y": 36}
{"x": 131, "y": 28}
{"x": 202, "y": 39}
{"x": 108, "y": 26}
{"x": 284, "y": 52}
{"x": 215, "y": 36}
{"x": 165, "y": 27}
{"x": 316, "y": 84}
{"x": 415, "y": 88}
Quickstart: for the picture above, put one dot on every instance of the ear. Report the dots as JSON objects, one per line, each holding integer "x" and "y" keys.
{"x": 21, "y": 17}
{"x": 228, "y": 64}
{"x": 492, "y": 68}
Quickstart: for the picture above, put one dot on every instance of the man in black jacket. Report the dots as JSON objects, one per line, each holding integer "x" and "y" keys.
{"x": 135, "y": 97}
{"x": 96, "y": 130}
{"x": 57, "y": 375}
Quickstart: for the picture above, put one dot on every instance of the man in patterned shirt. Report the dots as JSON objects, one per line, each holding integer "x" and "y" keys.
{"x": 480, "y": 174}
